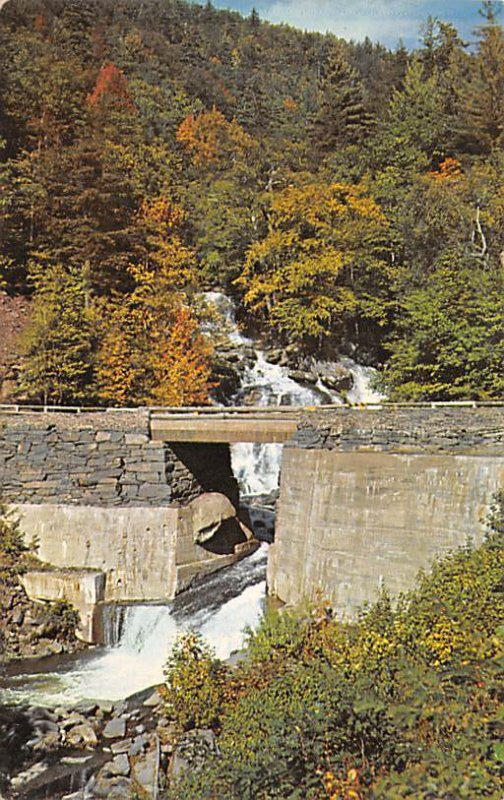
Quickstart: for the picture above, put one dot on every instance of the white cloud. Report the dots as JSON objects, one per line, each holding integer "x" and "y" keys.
{"x": 351, "y": 19}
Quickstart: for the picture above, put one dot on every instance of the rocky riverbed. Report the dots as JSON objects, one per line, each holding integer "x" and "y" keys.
{"x": 93, "y": 750}
{"x": 118, "y": 751}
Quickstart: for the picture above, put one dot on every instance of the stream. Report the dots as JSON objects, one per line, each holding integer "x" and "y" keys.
{"x": 140, "y": 636}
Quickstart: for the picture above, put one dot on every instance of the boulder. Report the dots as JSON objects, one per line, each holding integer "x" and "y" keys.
{"x": 72, "y": 720}
{"x": 18, "y": 616}
{"x": 115, "y": 728}
{"x": 145, "y": 770}
{"x": 153, "y": 701}
{"x": 50, "y": 741}
{"x": 302, "y": 376}
{"x": 121, "y": 747}
{"x": 209, "y": 511}
{"x": 81, "y": 736}
{"x": 45, "y": 726}
{"x": 22, "y": 778}
{"x": 138, "y": 744}
{"x": 118, "y": 766}
{"x": 116, "y": 788}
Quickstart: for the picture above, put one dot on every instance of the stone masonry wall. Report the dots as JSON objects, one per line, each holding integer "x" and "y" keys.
{"x": 104, "y": 459}
{"x": 399, "y": 429}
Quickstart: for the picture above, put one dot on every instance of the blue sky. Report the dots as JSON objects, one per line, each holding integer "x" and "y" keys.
{"x": 386, "y": 21}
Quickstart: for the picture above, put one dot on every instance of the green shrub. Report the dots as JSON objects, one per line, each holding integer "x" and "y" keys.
{"x": 62, "y": 622}
{"x": 193, "y": 689}
{"x": 12, "y": 546}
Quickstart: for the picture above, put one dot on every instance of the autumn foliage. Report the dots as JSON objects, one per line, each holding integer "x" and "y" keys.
{"x": 111, "y": 87}
{"x": 349, "y": 197}
{"x": 303, "y": 276}
{"x": 449, "y": 169}
{"x": 182, "y": 364}
{"x": 151, "y": 350}
{"x": 210, "y": 138}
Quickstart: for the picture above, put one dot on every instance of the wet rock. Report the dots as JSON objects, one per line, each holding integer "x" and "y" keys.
{"x": 38, "y": 713}
{"x": 45, "y": 726}
{"x": 106, "y": 706}
{"x": 48, "y": 647}
{"x": 50, "y": 741}
{"x": 28, "y": 775}
{"x": 209, "y": 511}
{"x": 18, "y": 617}
{"x": 302, "y": 376}
{"x": 76, "y": 759}
{"x": 121, "y": 747}
{"x": 274, "y": 356}
{"x": 119, "y": 765}
{"x": 72, "y": 720}
{"x": 88, "y": 709}
{"x": 115, "y": 728}
{"x": 339, "y": 379}
{"x": 137, "y": 746}
{"x": 119, "y": 708}
{"x": 116, "y": 788}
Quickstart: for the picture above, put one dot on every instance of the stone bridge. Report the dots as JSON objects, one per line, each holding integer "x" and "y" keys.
{"x": 144, "y": 501}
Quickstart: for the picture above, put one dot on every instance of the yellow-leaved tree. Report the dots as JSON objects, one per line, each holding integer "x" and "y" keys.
{"x": 322, "y": 262}
{"x": 181, "y": 363}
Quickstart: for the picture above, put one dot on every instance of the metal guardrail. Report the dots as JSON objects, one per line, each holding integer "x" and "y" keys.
{"x": 231, "y": 411}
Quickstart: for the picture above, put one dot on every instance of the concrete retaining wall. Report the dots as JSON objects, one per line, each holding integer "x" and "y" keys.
{"x": 349, "y": 522}
{"x": 83, "y": 589}
{"x": 140, "y": 550}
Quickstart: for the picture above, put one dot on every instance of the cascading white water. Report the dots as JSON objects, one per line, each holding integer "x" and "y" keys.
{"x": 257, "y": 466}
{"x": 220, "y": 609}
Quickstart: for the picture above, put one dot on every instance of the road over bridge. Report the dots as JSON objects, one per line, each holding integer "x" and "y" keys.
{"x": 228, "y": 426}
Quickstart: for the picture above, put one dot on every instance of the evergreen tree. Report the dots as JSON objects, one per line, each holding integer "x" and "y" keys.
{"x": 341, "y": 118}
{"x": 481, "y": 123}
{"x": 449, "y": 337}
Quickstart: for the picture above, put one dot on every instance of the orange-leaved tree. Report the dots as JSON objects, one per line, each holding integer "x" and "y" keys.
{"x": 111, "y": 89}
{"x": 181, "y": 363}
{"x": 212, "y": 140}
{"x": 151, "y": 349}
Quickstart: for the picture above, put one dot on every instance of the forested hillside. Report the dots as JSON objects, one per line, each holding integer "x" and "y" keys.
{"x": 342, "y": 193}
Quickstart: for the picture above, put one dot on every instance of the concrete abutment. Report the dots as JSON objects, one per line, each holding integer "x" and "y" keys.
{"x": 368, "y": 497}
{"x": 98, "y": 497}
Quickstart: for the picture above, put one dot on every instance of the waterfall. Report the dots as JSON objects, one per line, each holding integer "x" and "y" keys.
{"x": 220, "y": 609}
{"x": 257, "y": 466}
